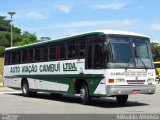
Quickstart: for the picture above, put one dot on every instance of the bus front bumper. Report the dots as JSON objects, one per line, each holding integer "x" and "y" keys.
{"x": 113, "y": 90}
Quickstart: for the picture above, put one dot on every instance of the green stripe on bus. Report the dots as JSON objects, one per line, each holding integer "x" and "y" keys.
{"x": 92, "y": 80}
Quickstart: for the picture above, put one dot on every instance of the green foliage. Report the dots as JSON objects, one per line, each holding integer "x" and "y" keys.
{"x": 4, "y": 24}
{"x": 2, "y": 48}
{"x": 4, "y": 38}
{"x": 27, "y": 38}
{"x": 155, "y": 51}
{"x": 18, "y": 38}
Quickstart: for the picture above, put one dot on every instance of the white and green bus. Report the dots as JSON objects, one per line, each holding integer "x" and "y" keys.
{"x": 103, "y": 63}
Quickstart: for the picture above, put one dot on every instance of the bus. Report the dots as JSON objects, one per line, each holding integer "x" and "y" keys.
{"x": 104, "y": 63}
{"x": 157, "y": 68}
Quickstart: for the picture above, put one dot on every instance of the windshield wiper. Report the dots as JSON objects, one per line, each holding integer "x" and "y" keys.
{"x": 142, "y": 62}
{"x": 140, "y": 59}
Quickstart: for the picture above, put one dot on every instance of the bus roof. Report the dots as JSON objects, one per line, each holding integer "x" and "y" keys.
{"x": 98, "y": 32}
{"x": 118, "y": 32}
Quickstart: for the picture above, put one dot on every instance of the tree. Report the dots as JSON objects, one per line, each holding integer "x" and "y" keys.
{"x": 155, "y": 51}
{"x": 4, "y": 41}
{"x": 27, "y": 38}
{"x": 2, "y": 48}
{"x": 45, "y": 38}
{"x": 5, "y": 34}
{"x": 18, "y": 38}
{"x": 4, "y": 24}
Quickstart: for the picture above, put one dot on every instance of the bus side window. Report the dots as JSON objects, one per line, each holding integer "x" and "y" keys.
{"x": 7, "y": 58}
{"x": 52, "y": 52}
{"x": 60, "y": 51}
{"x": 24, "y": 56}
{"x": 44, "y": 53}
{"x": 27, "y": 56}
{"x": 82, "y": 49}
{"x": 94, "y": 56}
{"x": 30, "y": 55}
{"x": 37, "y": 54}
{"x": 89, "y": 57}
{"x": 98, "y": 56}
{"x": 18, "y": 57}
{"x": 13, "y": 58}
{"x": 71, "y": 49}
{"x": 82, "y": 45}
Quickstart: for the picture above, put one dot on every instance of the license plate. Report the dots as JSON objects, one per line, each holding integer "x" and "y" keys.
{"x": 135, "y": 91}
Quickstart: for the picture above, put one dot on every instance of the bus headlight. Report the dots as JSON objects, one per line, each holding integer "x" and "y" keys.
{"x": 120, "y": 80}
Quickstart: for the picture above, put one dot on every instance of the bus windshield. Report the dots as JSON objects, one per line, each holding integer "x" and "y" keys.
{"x": 142, "y": 52}
{"x": 129, "y": 53}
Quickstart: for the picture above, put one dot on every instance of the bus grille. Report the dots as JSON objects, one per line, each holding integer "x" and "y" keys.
{"x": 135, "y": 81}
{"x": 135, "y": 73}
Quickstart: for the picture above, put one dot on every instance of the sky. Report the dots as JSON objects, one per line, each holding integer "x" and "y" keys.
{"x": 60, "y": 18}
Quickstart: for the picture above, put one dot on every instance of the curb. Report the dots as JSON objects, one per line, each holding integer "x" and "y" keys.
{"x": 6, "y": 89}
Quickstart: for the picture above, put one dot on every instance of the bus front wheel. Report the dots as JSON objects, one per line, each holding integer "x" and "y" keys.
{"x": 84, "y": 94}
{"x": 122, "y": 99}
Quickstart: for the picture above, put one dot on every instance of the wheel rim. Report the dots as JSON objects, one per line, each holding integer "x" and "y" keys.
{"x": 82, "y": 93}
{"x": 25, "y": 88}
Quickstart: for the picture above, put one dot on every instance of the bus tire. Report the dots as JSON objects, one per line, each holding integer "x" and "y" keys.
{"x": 32, "y": 93}
{"x": 25, "y": 89}
{"x": 122, "y": 99}
{"x": 84, "y": 94}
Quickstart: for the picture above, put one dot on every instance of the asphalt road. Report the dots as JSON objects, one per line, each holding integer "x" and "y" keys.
{"x": 15, "y": 103}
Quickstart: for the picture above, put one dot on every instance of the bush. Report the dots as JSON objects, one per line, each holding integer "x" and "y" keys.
{"x": 2, "y": 48}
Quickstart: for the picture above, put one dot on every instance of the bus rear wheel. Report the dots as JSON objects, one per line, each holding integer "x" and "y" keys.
{"x": 122, "y": 99}
{"x": 25, "y": 89}
{"x": 84, "y": 94}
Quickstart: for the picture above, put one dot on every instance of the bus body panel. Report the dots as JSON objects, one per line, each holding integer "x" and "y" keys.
{"x": 13, "y": 82}
{"x": 56, "y": 76}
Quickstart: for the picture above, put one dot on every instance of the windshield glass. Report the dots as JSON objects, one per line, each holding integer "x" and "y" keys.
{"x": 128, "y": 52}
{"x": 121, "y": 52}
{"x": 143, "y": 56}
